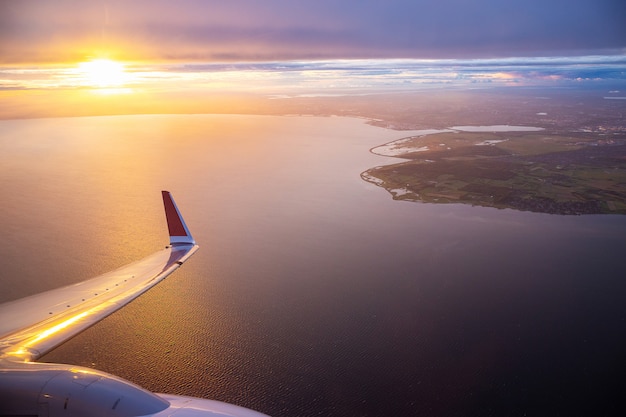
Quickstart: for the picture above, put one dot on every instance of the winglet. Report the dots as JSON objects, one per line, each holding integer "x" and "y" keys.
{"x": 179, "y": 233}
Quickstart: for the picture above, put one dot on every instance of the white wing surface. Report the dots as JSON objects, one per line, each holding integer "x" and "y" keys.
{"x": 34, "y": 325}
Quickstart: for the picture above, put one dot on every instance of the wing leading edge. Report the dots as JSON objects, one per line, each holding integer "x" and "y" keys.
{"x": 34, "y": 325}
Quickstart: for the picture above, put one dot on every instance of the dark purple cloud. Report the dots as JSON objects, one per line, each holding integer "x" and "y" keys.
{"x": 288, "y": 29}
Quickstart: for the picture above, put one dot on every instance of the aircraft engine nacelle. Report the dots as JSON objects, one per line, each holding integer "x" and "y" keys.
{"x": 48, "y": 390}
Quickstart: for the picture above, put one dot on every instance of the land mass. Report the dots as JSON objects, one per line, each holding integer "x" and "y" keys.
{"x": 582, "y": 172}
{"x": 575, "y": 165}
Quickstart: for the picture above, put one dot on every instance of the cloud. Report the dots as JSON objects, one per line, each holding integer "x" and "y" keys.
{"x": 63, "y": 30}
{"x": 337, "y": 77}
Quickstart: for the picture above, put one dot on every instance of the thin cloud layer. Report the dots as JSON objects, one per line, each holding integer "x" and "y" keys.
{"x": 70, "y": 30}
{"x": 336, "y": 77}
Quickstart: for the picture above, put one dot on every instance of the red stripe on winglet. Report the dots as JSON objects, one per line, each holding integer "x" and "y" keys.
{"x": 174, "y": 224}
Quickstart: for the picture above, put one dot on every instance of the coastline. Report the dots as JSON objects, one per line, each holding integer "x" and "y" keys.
{"x": 517, "y": 167}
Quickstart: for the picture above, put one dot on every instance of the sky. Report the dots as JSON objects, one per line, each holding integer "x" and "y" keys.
{"x": 54, "y": 31}
{"x": 208, "y": 55}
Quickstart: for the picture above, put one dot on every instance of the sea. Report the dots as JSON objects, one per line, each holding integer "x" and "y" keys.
{"x": 313, "y": 293}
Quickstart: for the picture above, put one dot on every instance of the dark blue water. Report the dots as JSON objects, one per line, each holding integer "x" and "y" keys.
{"x": 314, "y": 293}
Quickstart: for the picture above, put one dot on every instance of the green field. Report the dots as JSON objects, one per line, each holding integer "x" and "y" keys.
{"x": 551, "y": 173}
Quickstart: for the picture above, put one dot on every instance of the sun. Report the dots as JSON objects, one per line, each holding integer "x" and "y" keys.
{"x": 103, "y": 73}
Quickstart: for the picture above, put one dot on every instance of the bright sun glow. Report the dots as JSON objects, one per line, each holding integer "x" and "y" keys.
{"x": 103, "y": 73}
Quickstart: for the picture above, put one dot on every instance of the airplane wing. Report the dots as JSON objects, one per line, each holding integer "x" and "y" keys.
{"x": 32, "y": 326}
